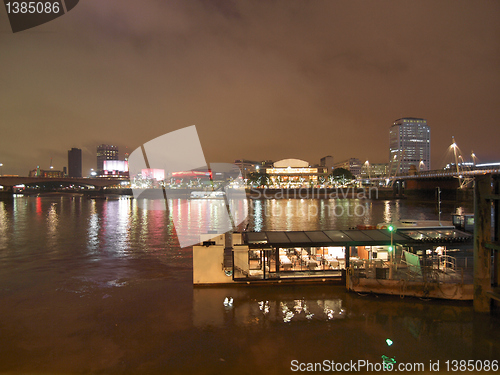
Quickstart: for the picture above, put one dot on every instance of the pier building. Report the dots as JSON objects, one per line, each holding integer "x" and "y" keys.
{"x": 364, "y": 258}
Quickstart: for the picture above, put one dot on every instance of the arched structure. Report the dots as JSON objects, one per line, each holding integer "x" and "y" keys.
{"x": 292, "y": 163}
{"x": 295, "y": 173}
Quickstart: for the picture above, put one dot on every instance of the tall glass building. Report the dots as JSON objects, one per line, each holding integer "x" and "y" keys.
{"x": 409, "y": 144}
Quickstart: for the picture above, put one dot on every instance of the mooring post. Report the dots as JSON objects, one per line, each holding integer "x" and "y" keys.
{"x": 496, "y": 218}
{"x": 482, "y": 235}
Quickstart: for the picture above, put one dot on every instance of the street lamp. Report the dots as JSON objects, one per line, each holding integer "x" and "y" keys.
{"x": 367, "y": 164}
{"x": 391, "y": 229}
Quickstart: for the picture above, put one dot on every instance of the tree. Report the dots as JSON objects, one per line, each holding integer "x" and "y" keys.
{"x": 342, "y": 172}
{"x": 259, "y": 178}
{"x": 341, "y": 175}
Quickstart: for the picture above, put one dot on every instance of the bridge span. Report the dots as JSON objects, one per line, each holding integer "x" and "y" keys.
{"x": 8, "y": 182}
{"x": 445, "y": 174}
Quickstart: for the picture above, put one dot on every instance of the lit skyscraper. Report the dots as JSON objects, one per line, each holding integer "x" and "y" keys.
{"x": 75, "y": 162}
{"x": 105, "y": 152}
{"x": 410, "y": 144}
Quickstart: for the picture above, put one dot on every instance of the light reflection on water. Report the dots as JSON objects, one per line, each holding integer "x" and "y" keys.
{"x": 102, "y": 286}
{"x": 324, "y": 214}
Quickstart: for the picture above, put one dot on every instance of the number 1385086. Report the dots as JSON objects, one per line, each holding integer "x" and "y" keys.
{"x": 31, "y": 7}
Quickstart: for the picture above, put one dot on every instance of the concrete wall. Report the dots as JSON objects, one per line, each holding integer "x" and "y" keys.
{"x": 237, "y": 239}
{"x": 207, "y": 265}
{"x": 430, "y": 183}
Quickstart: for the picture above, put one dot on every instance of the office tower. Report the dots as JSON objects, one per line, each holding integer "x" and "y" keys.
{"x": 75, "y": 162}
{"x": 409, "y": 144}
{"x": 105, "y": 152}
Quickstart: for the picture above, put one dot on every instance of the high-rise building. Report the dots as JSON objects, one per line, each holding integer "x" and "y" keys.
{"x": 105, "y": 152}
{"x": 75, "y": 162}
{"x": 409, "y": 144}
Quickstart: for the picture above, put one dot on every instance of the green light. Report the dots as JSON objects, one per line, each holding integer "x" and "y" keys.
{"x": 389, "y": 342}
{"x": 391, "y": 228}
{"x": 390, "y": 248}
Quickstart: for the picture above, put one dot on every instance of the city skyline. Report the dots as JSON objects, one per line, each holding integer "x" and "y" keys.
{"x": 260, "y": 81}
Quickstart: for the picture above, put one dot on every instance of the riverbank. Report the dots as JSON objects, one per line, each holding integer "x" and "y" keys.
{"x": 268, "y": 193}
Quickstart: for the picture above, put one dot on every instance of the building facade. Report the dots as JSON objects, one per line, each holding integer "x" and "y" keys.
{"x": 409, "y": 144}
{"x": 115, "y": 168}
{"x": 50, "y": 173}
{"x": 105, "y": 152}
{"x": 327, "y": 161}
{"x": 75, "y": 162}
{"x": 250, "y": 166}
{"x": 374, "y": 170}
{"x": 295, "y": 173}
{"x": 353, "y": 165}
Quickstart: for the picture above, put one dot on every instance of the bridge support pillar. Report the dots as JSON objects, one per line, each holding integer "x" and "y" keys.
{"x": 7, "y": 192}
{"x": 496, "y": 238}
{"x": 482, "y": 236}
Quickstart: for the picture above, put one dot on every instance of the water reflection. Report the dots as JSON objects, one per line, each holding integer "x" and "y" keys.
{"x": 114, "y": 294}
{"x": 311, "y": 214}
{"x": 327, "y": 314}
{"x": 52, "y": 223}
{"x": 261, "y": 306}
{"x": 4, "y": 225}
{"x": 387, "y": 212}
{"x": 93, "y": 228}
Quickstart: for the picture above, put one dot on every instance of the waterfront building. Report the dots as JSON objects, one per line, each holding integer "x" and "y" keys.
{"x": 250, "y": 166}
{"x": 115, "y": 168}
{"x": 353, "y": 165}
{"x": 247, "y": 167}
{"x": 50, "y": 173}
{"x": 305, "y": 255}
{"x": 409, "y": 144}
{"x": 75, "y": 162}
{"x": 295, "y": 173}
{"x": 327, "y": 161}
{"x": 105, "y": 152}
{"x": 374, "y": 170}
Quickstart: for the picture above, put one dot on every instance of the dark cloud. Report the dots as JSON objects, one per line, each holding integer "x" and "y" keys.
{"x": 260, "y": 79}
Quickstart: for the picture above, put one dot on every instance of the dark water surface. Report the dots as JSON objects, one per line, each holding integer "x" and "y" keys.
{"x": 101, "y": 286}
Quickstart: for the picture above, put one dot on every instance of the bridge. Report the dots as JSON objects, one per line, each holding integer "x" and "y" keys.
{"x": 8, "y": 182}
{"x": 462, "y": 171}
{"x": 446, "y": 174}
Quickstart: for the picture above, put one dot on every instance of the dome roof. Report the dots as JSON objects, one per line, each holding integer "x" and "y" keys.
{"x": 293, "y": 163}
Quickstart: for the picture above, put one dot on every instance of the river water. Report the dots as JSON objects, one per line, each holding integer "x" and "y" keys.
{"x": 102, "y": 286}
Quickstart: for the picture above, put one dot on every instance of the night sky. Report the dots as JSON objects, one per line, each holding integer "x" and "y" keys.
{"x": 259, "y": 79}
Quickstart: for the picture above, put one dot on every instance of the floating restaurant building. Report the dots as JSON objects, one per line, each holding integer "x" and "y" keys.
{"x": 319, "y": 256}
